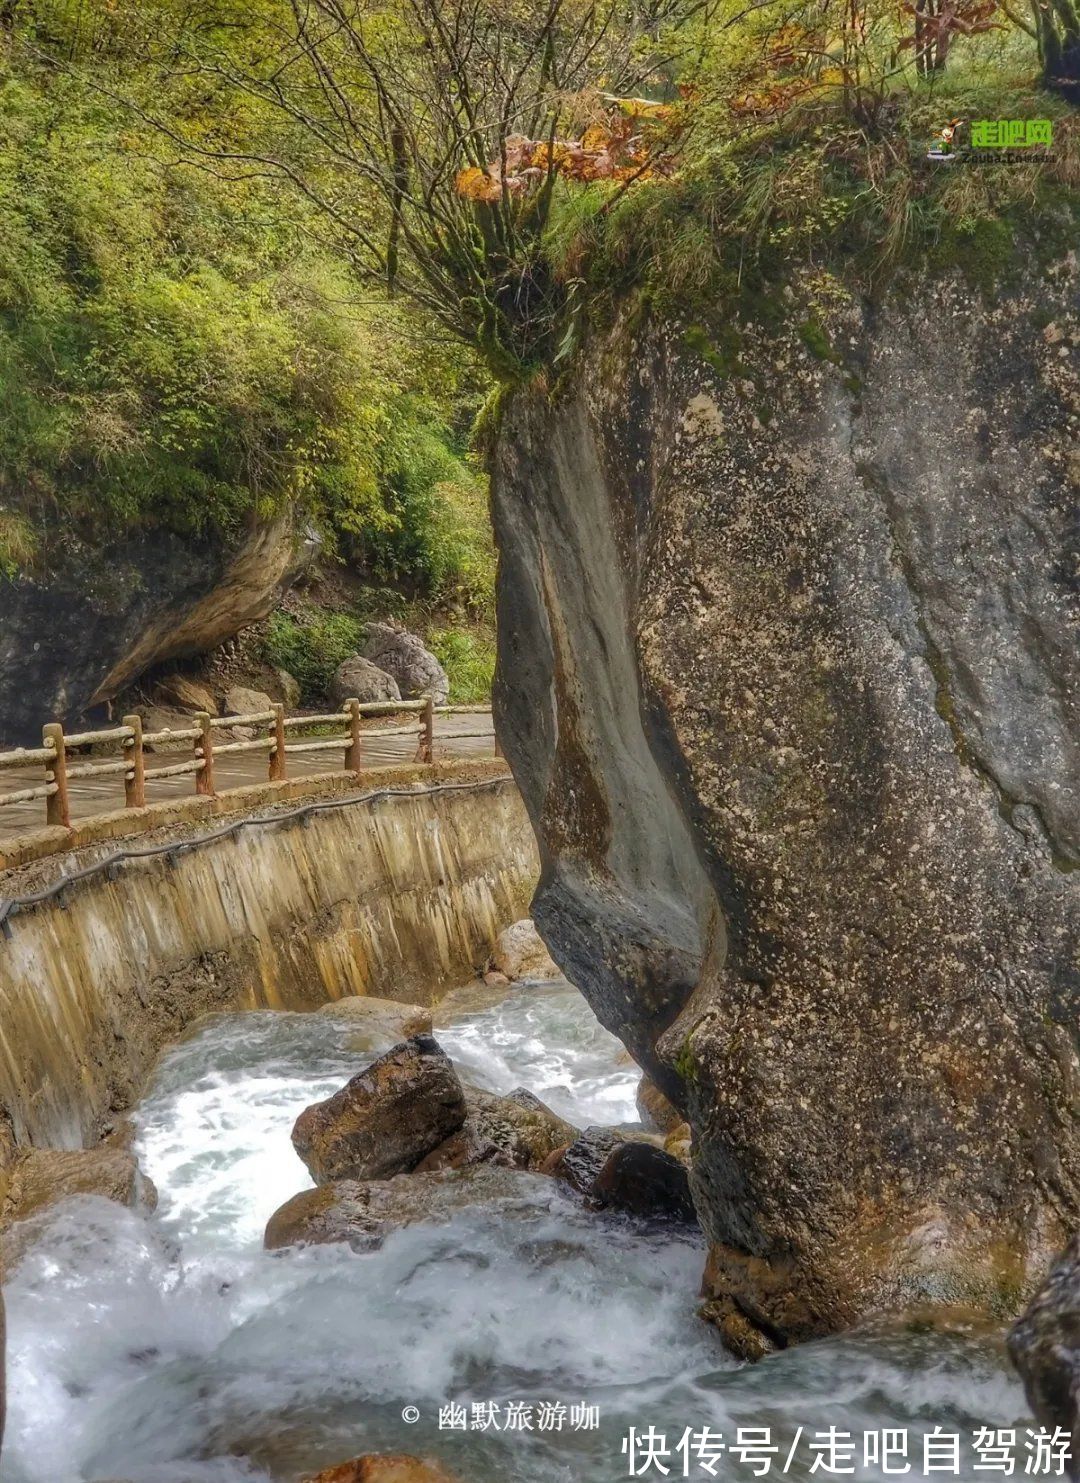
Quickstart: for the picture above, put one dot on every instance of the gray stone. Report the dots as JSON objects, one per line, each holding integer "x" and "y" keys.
{"x": 796, "y": 715}
{"x": 240, "y": 701}
{"x": 358, "y": 679}
{"x": 404, "y": 656}
{"x": 518, "y": 1132}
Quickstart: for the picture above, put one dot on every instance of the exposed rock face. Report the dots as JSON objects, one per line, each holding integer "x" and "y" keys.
{"x": 186, "y": 694}
{"x": 521, "y": 953}
{"x": 1045, "y": 1347}
{"x": 362, "y": 1213}
{"x": 794, "y": 709}
{"x": 402, "y": 655}
{"x": 517, "y": 1132}
{"x": 42, "y": 1177}
{"x": 94, "y": 619}
{"x": 358, "y": 679}
{"x": 656, "y": 1110}
{"x": 385, "y": 1120}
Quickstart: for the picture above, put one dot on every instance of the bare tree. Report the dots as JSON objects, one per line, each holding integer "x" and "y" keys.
{"x": 433, "y": 133}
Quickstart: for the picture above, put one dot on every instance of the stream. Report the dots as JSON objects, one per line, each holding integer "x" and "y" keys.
{"x": 173, "y": 1349}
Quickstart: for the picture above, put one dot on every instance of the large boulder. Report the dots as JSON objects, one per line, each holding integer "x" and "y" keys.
{"x": 518, "y": 1132}
{"x": 186, "y": 694}
{"x": 1045, "y": 1347}
{"x": 374, "y": 1022}
{"x": 384, "y": 1468}
{"x": 241, "y": 701}
{"x": 644, "y": 1180}
{"x": 361, "y": 1213}
{"x": 404, "y": 656}
{"x": 521, "y": 953}
{"x": 579, "y": 1164}
{"x": 358, "y": 679}
{"x": 796, "y": 715}
{"x": 386, "y": 1119}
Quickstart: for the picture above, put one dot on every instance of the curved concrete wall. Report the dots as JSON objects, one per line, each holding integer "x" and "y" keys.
{"x": 400, "y": 897}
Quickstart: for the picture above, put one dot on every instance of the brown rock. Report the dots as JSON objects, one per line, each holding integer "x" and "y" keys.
{"x": 520, "y": 953}
{"x": 185, "y": 694}
{"x": 580, "y": 1162}
{"x": 644, "y": 1180}
{"x": 45, "y": 1176}
{"x": 386, "y": 1119}
{"x": 384, "y": 1469}
{"x": 376, "y": 1021}
{"x": 289, "y": 686}
{"x": 655, "y": 1109}
{"x": 362, "y": 1213}
{"x": 517, "y": 1132}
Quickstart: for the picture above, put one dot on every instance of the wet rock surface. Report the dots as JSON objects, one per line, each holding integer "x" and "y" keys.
{"x": 642, "y": 1179}
{"x": 794, "y": 712}
{"x": 362, "y": 1213}
{"x": 517, "y": 1132}
{"x": 1045, "y": 1348}
{"x": 656, "y": 1111}
{"x": 521, "y": 953}
{"x": 385, "y": 1120}
{"x": 384, "y": 1469}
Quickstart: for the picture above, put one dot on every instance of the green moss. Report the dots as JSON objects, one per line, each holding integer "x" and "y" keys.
{"x": 720, "y": 350}
{"x": 814, "y": 336}
{"x": 985, "y": 250}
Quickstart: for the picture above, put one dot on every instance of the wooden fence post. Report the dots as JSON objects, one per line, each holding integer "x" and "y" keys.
{"x": 277, "y": 754}
{"x": 427, "y": 741}
{"x": 204, "y": 748}
{"x": 354, "y": 759}
{"x": 135, "y": 779}
{"x": 57, "y": 807}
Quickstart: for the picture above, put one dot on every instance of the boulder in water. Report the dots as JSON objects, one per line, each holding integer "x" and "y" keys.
{"x": 644, "y": 1180}
{"x": 521, "y": 953}
{"x": 358, "y": 679}
{"x": 361, "y": 1213}
{"x": 386, "y": 1119}
{"x": 1045, "y": 1348}
{"x": 655, "y": 1109}
{"x": 404, "y": 656}
{"x": 384, "y": 1469}
{"x": 580, "y": 1162}
{"x": 378, "y": 1021}
{"x": 45, "y": 1176}
{"x": 517, "y": 1132}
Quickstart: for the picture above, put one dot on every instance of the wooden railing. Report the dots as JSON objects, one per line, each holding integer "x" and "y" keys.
{"x": 60, "y": 751}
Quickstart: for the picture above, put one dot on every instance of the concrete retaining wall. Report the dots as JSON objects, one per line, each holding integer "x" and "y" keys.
{"x": 399, "y": 896}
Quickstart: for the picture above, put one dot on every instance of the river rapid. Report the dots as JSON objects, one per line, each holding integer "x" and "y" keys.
{"x": 173, "y": 1349}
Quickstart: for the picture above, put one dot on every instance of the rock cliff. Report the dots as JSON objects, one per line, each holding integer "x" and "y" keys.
{"x": 789, "y": 678}
{"x": 95, "y": 617}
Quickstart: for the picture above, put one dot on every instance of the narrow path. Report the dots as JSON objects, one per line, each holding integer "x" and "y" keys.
{"x": 90, "y": 796}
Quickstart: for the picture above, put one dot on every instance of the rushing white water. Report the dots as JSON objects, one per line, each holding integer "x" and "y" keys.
{"x": 172, "y": 1349}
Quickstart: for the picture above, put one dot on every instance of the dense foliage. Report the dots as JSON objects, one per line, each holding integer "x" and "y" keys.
{"x": 181, "y": 350}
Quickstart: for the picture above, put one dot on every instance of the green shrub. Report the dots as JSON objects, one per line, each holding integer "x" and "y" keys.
{"x": 311, "y": 648}
{"x": 468, "y": 656}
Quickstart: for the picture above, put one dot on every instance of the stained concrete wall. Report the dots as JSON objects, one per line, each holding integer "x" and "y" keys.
{"x": 399, "y": 896}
